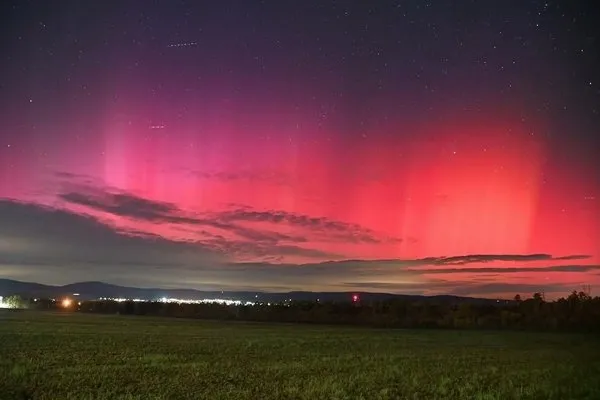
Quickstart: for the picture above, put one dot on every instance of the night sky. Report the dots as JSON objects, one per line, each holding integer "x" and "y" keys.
{"x": 393, "y": 146}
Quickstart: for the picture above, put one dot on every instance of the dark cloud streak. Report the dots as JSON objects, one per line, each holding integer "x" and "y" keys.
{"x": 508, "y": 270}
{"x": 131, "y": 206}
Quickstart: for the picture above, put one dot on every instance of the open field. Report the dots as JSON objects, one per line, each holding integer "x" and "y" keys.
{"x": 75, "y": 356}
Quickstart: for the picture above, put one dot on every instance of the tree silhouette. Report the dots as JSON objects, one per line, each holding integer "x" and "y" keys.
{"x": 578, "y": 311}
{"x": 518, "y": 298}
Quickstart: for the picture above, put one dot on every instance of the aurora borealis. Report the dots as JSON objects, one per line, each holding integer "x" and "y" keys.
{"x": 407, "y": 146}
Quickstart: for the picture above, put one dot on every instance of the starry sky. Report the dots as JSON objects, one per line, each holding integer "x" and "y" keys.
{"x": 413, "y": 146}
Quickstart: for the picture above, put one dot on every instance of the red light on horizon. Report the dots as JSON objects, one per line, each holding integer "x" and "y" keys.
{"x": 355, "y": 298}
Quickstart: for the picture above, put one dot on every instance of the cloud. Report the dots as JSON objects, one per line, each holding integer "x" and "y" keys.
{"x": 135, "y": 207}
{"x": 574, "y": 257}
{"x": 31, "y": 234}
{"x": 261, "y": 236}
{"x": 124, "y": 205}
{"x": 47, "y": 243}
{"x": 509, "y": 270}
{"x": 265, "y": 251}
{"x": 413, "y": 264}
{"x": 338, "y": 229}
{"x": 486, "y": 258}
{"x": 235, "y": 222}
{"x": 49, "y": 225}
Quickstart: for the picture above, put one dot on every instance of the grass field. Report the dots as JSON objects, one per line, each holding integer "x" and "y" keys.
{"x": 75, "y": 356}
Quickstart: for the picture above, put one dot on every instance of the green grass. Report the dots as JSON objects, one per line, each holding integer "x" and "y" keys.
{"x": 75, "y": 356}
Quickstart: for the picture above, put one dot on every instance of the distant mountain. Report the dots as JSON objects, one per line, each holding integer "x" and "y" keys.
{"x": 8, "y": 287}
{"x": 95, "y": 290}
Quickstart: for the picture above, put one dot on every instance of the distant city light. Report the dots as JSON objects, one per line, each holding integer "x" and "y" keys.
{"x": 66, "y": 303}
{"x": 355, "y": 298}
{"x": 184, "y": 301}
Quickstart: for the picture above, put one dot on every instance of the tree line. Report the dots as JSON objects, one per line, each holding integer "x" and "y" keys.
{"x": 579, "y": 311}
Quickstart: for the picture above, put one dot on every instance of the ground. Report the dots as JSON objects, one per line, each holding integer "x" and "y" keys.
{"x": 75, "y": 356}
